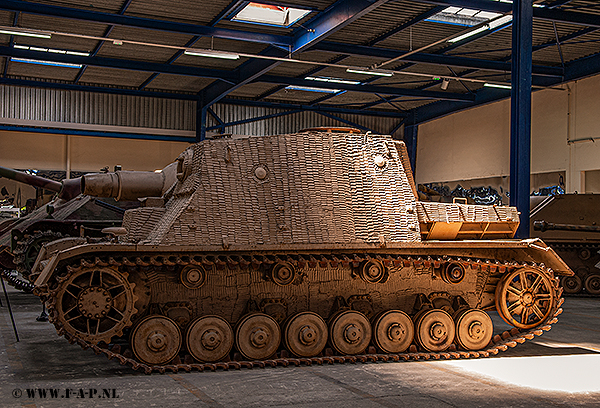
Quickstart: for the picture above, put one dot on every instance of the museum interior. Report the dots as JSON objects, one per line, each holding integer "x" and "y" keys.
{"x": 300, "y": 203}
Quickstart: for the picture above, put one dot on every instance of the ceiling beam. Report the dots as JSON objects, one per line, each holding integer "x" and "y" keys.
{"x": 372, "y": 42}
{"x": 340, "y": 14}
{"x": 101, "y": 43}
{"x": 583, "y": 67}
{"x": 194, "y": 97}
{"x": 435, "y": 59}
{"x": 191, "y": 42}
{"x": 385, "y": 90}
{"x": 94, "y": 88}
{"x": 336, "y": 17}
{"x": 139, "y": 22}
{"x": 226, "y": 78}
{"x": 324, "y": 108}
{"x": 120, "y": 63}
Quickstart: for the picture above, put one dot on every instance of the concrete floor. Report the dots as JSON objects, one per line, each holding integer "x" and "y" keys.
{"x": 561, "y": 368}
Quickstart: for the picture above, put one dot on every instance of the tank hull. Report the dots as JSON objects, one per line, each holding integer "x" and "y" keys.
{"x": 308, "y": 246}
{"x": 326, "y": 282}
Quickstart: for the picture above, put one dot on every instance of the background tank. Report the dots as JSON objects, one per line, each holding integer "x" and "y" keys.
{"x": 70, "y": 214}
{"x": 306, "y": 244}
{"x": 570, "y": 224}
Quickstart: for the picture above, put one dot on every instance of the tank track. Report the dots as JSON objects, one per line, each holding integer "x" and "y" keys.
{"x": 17, "y": 282}
{"x": 582, "y": 266}
{"x": 500, "y": 342}
{"x": 22, "y": 247}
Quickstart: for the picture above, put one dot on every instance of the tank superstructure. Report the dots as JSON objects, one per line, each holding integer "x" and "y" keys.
{"x": 298, "y": 244}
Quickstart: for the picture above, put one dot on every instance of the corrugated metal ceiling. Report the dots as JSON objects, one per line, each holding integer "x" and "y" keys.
{"x": 115, "y": 65}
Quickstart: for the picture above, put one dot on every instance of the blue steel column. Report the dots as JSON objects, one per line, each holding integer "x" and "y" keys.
{"x": 520, "y": 123}
{"x": 410, "y": 138}
{"x": 201, "y": 117}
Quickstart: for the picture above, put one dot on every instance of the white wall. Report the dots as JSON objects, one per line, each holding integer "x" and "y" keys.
{"x": 86, "y": 153}
{"x": 475, "y": 144}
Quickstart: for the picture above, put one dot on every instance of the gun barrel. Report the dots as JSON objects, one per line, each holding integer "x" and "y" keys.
{"x": 123, "y": 185}
{"x": 30, "y": 179}
{"x": 549, "y": 226}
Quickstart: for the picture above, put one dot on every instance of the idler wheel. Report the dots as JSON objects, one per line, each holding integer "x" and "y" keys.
{"x": 209, "y": 338}
{"x": 474, "y": 329}
{"x": 572, "y": 284}
{"x": 434, "y": 329}
{"x": 193, "y": 276}
{"x": 257, "y": 336}
{"x": 305, "y": 334}
{"x": 95, "y": 304}
{"x": 393, "y": 331}
{"x": 349, "y": 332}
{"x": 156, "y": 340}
{"x": 525, "y": 298}
{"x": 592, "y": 284}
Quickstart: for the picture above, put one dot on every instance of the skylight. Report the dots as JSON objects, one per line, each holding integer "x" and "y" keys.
{"x": 463, "y": 16}
{"x": 267, "y": 14}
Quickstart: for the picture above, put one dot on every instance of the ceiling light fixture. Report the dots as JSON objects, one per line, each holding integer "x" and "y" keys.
{"x": 26, "y": 32}
{"x": 334, "y": 80}
{"x": 211, "y": 53}
{"x": 490, "y": 85}
{"x": 369, "y": 71}
{"x": 42, "y": 62}
{"x": 469, "y": 34}
{"x": 445, "y": 83}
{"x": 311, "y": 89}
{"x": 51, "y": 50}
{"x": 499, "y": 21}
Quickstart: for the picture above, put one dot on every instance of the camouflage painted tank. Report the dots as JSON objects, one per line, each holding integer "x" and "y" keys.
{"x": 70, "y": 214}
{"x": 308, "y": 247}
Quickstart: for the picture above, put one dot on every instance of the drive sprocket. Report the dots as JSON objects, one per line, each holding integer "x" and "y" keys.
{"x": 95, "y": 304}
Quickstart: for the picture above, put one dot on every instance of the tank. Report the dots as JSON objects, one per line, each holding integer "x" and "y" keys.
{"x": 574, "y": 235}
{"x": 70, "y": 214}
{"x": 297, "y": 249}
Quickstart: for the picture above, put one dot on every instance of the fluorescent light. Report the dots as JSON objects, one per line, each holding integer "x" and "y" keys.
{"x": 51, "y": 50}
{"x": 469, "y": 34}
{"x": 489, "y": 85}
{"x": 334, "y": 80}
{"x": 311, "y": 89}
{"x": 498, "y": 22}
{"x": 25, "y": 32}
{"x": 368, "y": 71}
{"x": 81, "y": 54}
{"x": 42, "y": 62}
{"x": 211, "y": 54}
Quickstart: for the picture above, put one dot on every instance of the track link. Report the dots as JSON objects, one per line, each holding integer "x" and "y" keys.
{"x": 499, "y": 343}
{"x": 17, "y": 282}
